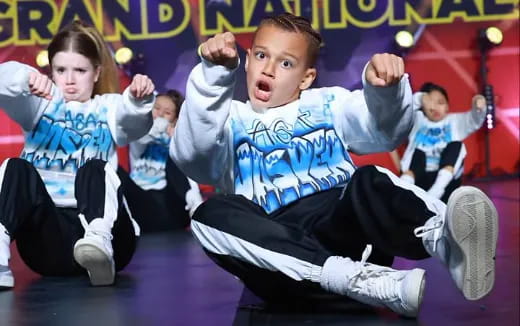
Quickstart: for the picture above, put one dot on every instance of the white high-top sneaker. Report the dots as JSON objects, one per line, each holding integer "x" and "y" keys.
{"x": 465, "y": 239}
{"x": 378, "y": 286}
{"x": 6, "y": 276}
{"x": 94, "y": 253}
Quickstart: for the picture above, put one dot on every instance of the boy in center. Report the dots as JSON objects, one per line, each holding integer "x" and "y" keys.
{"x": 296, "y": 217}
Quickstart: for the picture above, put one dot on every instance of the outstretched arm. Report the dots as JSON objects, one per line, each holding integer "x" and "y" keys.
{"x": 199, "y": 144}
{"x": 133, "y": 114}
{"x": 24, "y": 93}
{"x": 468, "y": 122}
{"x": 379, "y": 118}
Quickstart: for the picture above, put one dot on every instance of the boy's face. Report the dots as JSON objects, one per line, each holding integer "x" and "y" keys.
{"x": 276, "y": 67}
{"x": 435, "y": 105}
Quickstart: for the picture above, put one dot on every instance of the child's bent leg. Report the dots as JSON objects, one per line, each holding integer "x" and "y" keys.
{"x": 450, "y": 168}
{"x": 413, "y": 171}
{"x": 237, "y": 232}
{"x": 28, "y": 215}
{"x": 462, "y": 235}
{"x": 99, "y": 196}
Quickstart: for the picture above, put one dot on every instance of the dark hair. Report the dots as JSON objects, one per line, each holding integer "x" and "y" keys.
{"x": 292, "y": 23}
{"x": 176, "y": 97}
{"x": 429, "y": 87}
{"x": 87, "y": 41}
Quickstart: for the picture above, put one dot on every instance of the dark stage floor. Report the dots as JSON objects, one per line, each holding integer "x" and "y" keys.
{"x": 171, "y": 282}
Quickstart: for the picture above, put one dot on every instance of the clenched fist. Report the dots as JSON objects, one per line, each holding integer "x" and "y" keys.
{"x": 384, "y": 69}
{"x": 220, "y": 50}
{"x": 141, "y": 86}
{"x": 40, "y": 85}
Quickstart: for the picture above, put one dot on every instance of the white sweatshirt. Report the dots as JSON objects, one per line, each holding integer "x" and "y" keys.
{"x": 275, "y": 156}
{"x": 432, "y": 137}
{"x": 60, "y": 137}
{"x": 148, "y": 156}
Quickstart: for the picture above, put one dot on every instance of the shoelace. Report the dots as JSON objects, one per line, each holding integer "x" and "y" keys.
{"x": 90, "y": 231}
{"x": 379, "y": 287}
{"x": 436, "y": 228}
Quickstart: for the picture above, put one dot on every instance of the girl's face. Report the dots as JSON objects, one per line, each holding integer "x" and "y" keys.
{"x": 435, "y": 106}
{"x": 75, "y": 75}
{"x": 164, "y": 108}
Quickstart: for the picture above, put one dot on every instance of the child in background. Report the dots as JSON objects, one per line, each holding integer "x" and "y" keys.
{"x": 295, "y": 213}
{"x": 160, "y": 197}
{"x": 434, "y": 157}
{"x": 62, "y": 200}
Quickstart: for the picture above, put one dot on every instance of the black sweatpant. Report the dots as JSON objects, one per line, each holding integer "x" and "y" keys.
{"x": 45, "y": 234}
{"x": 277, "y": 254}
{"x": 158, "y": 210}
{"x": 452, "y": 155}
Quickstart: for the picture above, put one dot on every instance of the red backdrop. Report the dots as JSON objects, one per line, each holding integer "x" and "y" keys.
{"x": 445, "y": 54}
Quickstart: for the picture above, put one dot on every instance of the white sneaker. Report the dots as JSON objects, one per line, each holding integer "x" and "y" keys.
{"x": 94, "y": 253}
{"x": 6, "y": 278}
{"x": 465, "y": 240}
{"x": 400, "y": 291}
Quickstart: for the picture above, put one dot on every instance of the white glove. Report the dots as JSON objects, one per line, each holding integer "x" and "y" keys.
{"x": 160, "y": 125}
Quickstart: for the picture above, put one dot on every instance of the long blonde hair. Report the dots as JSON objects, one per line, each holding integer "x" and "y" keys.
{"x": 87, "y": 41}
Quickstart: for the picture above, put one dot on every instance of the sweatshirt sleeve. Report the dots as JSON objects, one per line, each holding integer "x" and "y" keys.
{"x": 16, "y": 98}
{"x": 132, "y": 118}
{"x": 467, "y": 122}
{"x": 377, "y": 119}
{"x": 199, "y": 145}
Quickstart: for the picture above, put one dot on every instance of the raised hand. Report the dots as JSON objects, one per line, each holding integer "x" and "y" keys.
{"x": 478, "y": 102}
{"x": 141, "y": 86}
{"x": 40, "y": 85}
{"x": 384, "y": 69}
{"x": 220, "y": 50}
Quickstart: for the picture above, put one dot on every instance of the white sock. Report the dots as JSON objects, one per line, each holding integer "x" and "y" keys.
{"x": 5, "y": 252}
{"x": 408, "y": 178}
{"x": 439, "y": 186}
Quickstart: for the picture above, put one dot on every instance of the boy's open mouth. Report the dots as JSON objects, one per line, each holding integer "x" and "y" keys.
{"x": 263, "y": 91}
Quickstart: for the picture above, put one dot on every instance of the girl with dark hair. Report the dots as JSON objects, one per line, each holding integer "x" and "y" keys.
{"x": 434, "y": 157}
{"x": 159, "y": 196}
{"x": 62, "y": 200}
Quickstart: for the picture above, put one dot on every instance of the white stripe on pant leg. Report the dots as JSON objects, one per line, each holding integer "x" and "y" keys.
{"x": 223, "y": 243}
{"x": 112, "y": 184}
{"x": 433, "y": 204}
{"x": 137, "y": 228}
{"x": 457, "y": 168}
{"x": 2, "y": 172}
{"x": 5, "y": 253}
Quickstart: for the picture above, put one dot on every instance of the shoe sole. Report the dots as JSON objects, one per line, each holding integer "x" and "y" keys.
{"x": 415, "y": 289}
{"x": 474, "y": 227}
{"x": 99, "y": 266}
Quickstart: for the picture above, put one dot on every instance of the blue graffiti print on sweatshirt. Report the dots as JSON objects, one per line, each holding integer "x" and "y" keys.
{"x": 157, "y": 151}
{"x": 277, "y": 164}
{"x": 427, "y": 137}
{"x": 64, "y": 141}
{"x": 432, "y": 142}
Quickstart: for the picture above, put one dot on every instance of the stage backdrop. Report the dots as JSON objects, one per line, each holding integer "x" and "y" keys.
{"x": 164, "y": 36}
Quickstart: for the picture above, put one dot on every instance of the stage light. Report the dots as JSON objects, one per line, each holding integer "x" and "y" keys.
{"x": 123, "y": 55}
{"x": 494, "y": 35}
{"x": 490, "y": 106}
{"x": 42, "y": 59}
{"x": 404, "y": 39}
